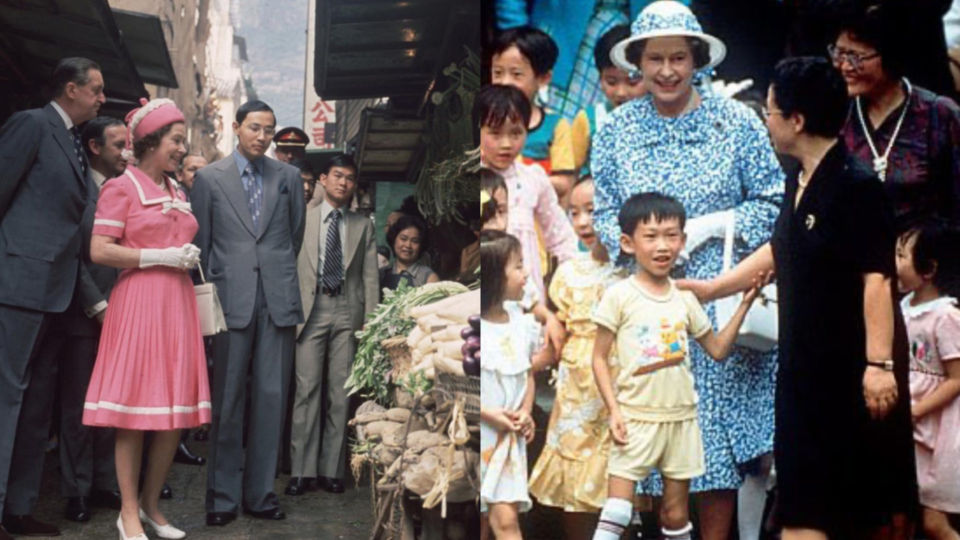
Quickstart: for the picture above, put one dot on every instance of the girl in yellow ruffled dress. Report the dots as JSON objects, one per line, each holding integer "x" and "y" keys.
{"x": 571, "y": 470}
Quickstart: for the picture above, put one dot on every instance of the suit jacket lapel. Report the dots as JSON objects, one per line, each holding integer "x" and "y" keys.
{"x": 311, "y": 242}
{"x": 62, "y": 135}
{"x": 232, "y": 186}
{"x": 354, "y": 226}
{"x": 271, "y": 187}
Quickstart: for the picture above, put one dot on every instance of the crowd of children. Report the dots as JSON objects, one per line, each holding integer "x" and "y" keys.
{"x": 626, "y": 401}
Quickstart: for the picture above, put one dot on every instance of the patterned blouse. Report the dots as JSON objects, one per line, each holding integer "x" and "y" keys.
{"x": 716, "y": 157}
{"x": 923, "y": 173}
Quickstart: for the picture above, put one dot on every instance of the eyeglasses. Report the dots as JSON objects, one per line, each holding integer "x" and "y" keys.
{"x": 257, "y": 128}
{"x": 856, "y": 60}
{"x": 767, "y": 113}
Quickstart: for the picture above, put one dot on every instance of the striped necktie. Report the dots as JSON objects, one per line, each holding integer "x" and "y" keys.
{"x": 333, "y": 253}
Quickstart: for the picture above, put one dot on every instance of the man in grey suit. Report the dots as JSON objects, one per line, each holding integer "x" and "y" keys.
{"x": 43, "y": 192}
{"x": 87, "y": 472}
{"x": 339, "y": 284}
{"x": 251, "y": 212}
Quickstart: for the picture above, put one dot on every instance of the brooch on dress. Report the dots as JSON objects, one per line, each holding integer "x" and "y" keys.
{"x": 810, "y": 221}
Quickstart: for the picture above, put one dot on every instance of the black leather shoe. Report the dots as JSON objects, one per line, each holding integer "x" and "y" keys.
{"x": 185, "y": 456}
{"x": 104, "y": 498}
{"x": 299, "y": 486}
{"x": 274, "y": 514}
{"x": 166, "y": 492}
{"x": 333, "y": 485}
{"x": 77, "y": 509}
{"x": 27, "y": 526}
{"x": 219, "y": 519}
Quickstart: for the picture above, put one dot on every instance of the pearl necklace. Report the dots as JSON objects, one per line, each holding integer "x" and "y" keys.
{"x": 880, "y": 162}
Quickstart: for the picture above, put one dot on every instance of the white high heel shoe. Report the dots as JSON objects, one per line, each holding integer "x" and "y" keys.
{"x": 123, "y": 535}
{"x": 163, "y": 531}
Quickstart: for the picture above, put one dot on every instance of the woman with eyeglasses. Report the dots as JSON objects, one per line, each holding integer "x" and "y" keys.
{"x": 908, "y": 135}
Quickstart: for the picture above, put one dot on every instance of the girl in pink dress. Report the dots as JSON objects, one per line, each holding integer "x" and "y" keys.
{"x": 150, "y": 373}
{"x": 929, "y": 270}
{"x": 534, "y": 212}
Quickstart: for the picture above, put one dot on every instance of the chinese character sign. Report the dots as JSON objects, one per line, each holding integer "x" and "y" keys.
{"x": 320, "y": 122}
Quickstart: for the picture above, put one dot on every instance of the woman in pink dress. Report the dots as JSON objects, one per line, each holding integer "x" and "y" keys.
{"x": 150, "y": 373}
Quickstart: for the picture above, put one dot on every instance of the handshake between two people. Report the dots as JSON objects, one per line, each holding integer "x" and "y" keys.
{"x": 185, "y": 257}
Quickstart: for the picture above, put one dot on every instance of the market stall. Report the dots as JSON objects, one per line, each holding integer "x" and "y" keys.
{"x": 417, "y": 435}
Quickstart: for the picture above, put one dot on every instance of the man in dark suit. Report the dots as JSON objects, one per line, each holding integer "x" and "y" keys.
{"x": 251, "y": 214}
{"x": 339, "y": 287}
{"x": 87, "y": 470}
{"x": 43, "y": 193}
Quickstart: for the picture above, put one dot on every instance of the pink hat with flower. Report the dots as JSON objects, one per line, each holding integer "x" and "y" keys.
{"x": 149, "y": 117}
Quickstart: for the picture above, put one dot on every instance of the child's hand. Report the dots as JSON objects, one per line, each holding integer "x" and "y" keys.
{"x": 759, "y": 282}
{"x": 527, "y": 425}
{"x": 618, "y": 430}
{"x": 556, "y": 335}
{"x": 502, "y": 419}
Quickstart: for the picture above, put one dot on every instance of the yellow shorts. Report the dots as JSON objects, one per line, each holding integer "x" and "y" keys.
{"x": 675, "y": 448}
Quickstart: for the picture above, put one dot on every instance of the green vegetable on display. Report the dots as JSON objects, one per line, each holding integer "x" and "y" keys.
{"x": 371, "y": 365}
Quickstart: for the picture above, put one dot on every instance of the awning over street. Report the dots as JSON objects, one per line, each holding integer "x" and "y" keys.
{"x": 36, "y": 34}
{"x": 374, "y": 48}
{"x": 388, "y": 144}
{"x": 143, "y": 36}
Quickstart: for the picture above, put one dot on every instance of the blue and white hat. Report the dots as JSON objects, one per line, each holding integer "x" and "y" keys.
{"x": 666, "y": 18}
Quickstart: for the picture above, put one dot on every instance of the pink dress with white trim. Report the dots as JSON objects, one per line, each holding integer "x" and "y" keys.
{"x": 151, "y": 371}
{"x": 934, "y": 332}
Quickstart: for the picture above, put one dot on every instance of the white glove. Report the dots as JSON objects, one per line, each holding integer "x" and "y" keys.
{"x": 703, "y": 228}
{"x": 730, "y": 89}
{"x": 184, "y": 257}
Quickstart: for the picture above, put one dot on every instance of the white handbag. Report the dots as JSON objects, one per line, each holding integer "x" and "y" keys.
{"x": 209, "y": 311}
{"x": 759, "y": 329}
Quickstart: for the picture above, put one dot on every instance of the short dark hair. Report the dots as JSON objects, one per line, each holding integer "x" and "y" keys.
{"x": 405, "y": 222}
{"x": 584, "y": 178}
{"x": 490, "y": 182}
{"x": 534, "y": 44}
{"x": 254, "y": 105}
{"x": 302, "y": 165}
{"x": 496, "y": 103}
{"x": 649, "y": 206}
{"x": 410, "y": 207}
{"x": 495, "y": 250}
{"x": 601, "y": 51}
{"x": 936, "y": 250}
{"x": 93, "y": 130}
{"x": 811, "y": 86}
{"x": 74, "y": 69}
{"x": 151, "y": 140}
{"x": 341, "y": 160}
{"x": 879, "y": 25}
{"x": 698, "y": 48}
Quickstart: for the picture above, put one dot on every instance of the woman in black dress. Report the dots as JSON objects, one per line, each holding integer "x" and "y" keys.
{"x": 843, "y": 445}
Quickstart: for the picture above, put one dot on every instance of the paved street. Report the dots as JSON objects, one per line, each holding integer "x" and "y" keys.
{"x": 317, "y": 515}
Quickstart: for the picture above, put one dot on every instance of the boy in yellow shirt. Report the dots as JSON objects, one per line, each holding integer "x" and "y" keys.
{"x": 653, "y": 411}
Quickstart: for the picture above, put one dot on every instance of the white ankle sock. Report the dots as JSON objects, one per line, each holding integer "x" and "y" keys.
{"x": 614, "y": 519}
{"x": 751, "y": 498}
{"x": 683, "y": 533}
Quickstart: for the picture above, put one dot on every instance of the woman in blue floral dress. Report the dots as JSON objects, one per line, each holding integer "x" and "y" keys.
{"x": 712, "y": 154}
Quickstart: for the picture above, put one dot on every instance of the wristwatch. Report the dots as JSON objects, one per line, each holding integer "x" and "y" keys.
{"x": 886, "y": 365}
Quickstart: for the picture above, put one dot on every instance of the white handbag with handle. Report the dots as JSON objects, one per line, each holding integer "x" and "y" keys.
{"x": 759, "y": 329}
{"x": 209, "y": 311}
